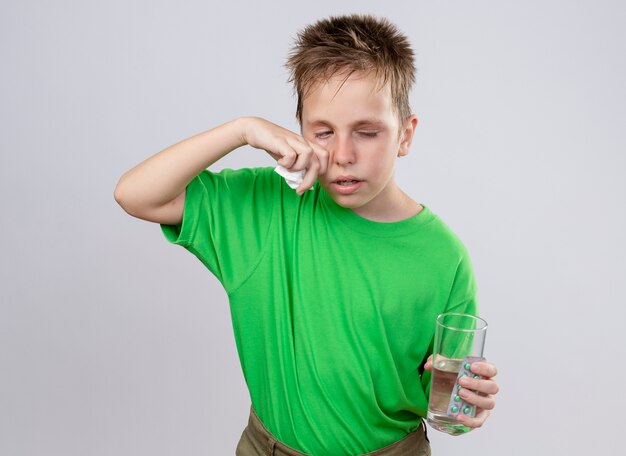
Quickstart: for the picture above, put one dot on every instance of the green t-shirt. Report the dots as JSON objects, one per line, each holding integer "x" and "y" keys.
{"x": 333, "y": 314}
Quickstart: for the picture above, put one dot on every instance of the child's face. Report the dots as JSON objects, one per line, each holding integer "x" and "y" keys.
{"x": 359, "y": 128}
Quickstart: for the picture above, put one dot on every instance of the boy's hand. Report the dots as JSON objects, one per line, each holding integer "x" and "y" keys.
{"x": 289, "y": 149}
{"x": 486, "y": 388}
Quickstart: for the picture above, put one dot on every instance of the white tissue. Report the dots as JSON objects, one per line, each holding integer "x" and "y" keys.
{"x": 293, "y": 179}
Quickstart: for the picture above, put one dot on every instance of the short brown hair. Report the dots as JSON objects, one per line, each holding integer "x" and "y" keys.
{"x": 345, "y": 44}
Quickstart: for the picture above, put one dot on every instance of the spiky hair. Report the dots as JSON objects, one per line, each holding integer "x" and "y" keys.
{"x": 347, "y": 44}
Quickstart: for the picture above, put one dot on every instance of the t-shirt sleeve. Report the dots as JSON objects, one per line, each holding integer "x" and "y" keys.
{"x": 226, "y": 220}
{"x": 462, "y": 299}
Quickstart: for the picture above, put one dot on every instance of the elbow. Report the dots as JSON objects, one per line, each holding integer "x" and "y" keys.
{"x": 118, "y": 194}
{"x": 133, "y": 200}
{"x": 121, "y": 196}
{"x": 128, "y": 199}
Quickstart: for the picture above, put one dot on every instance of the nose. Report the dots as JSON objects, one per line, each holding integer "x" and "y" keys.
{"x": 343, "y": 152}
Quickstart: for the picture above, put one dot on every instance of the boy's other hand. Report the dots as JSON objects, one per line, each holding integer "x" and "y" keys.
{"x": 486, "y": 388}
{"x": 289, "y": 149}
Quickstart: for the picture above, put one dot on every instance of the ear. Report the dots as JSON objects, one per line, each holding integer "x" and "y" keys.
{"x": 407, "y": 135}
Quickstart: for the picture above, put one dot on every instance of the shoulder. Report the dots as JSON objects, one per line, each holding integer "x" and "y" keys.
{"x": 238, "y": 173}
{"x": 259, "y": 186}
{"x": 446, "y": 238}
{"x": 240, "y": 179}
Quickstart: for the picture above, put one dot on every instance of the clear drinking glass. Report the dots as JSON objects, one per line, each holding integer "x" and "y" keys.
{"x": 457, "y": 335}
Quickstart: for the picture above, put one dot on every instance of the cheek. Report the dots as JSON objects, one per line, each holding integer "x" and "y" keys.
{"x": 325, "y": 143}
{"x": 382, "y": 156}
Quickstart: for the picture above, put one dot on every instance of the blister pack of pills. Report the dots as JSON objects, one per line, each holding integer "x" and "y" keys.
{"x": 457, "y": 404}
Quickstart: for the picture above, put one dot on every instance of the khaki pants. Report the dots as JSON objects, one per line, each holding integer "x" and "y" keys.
{"x": 256, "y": 440}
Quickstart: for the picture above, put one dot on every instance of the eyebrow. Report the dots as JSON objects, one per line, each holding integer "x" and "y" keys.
{"x": 358, "y": 123}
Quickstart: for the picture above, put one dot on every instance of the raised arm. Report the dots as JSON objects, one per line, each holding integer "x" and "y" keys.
{"x": 154, "y": 190}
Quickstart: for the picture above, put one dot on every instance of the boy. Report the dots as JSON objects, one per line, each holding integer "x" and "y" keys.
{"x": 334, "y": 291}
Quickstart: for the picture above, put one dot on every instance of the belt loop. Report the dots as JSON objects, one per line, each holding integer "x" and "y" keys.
{"x": 271, "y": 445}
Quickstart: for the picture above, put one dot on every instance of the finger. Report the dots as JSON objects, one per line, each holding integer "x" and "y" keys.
{"x": 429, "y": 363}
{"x": 483, "y": 402}
{"x": 485, "y": 386}
{"x": 303, "y": 162}
{"x": 485, "y": 369}
{"x": 304, "y": 153}
{"x": 322, "y": 157}
{"x": 475, "y": 422}
{"x": 288, "y": 155}
{"x": 309, "y": 177}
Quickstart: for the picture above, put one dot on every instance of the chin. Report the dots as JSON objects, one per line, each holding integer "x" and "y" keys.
{"x": 347, "y": 202}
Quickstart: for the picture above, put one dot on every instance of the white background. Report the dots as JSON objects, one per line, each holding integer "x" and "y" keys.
{"x": 114, "y": 342}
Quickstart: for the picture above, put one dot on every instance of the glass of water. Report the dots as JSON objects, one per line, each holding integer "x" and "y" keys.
{"x": 457, "y": 336}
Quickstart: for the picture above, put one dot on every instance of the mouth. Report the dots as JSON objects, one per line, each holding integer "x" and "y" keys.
{"x": 346, "y": 185}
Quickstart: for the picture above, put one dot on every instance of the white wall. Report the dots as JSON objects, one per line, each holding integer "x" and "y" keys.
{"x": 113, "y": 341}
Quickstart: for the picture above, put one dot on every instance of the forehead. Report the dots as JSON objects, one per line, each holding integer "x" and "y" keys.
{"x": 348, "y": 99}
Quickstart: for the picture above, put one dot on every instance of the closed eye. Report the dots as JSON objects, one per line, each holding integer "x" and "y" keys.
{"x": 323, "y": 134}
{"x": 369, "y": 134}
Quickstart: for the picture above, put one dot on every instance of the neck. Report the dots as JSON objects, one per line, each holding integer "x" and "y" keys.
{"x": 395, "y": 209}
